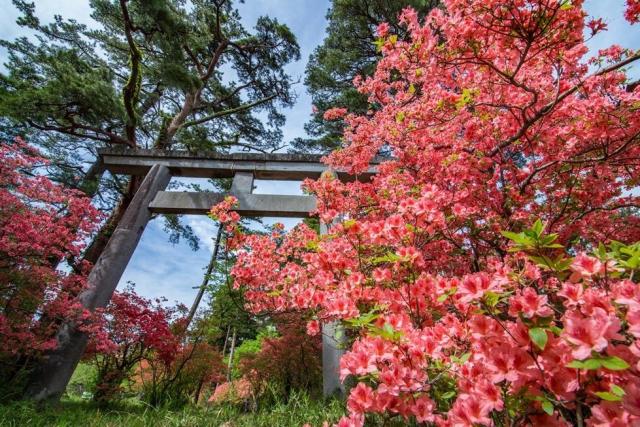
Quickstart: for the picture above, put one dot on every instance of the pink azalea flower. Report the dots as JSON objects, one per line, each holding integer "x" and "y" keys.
{"x": 585, "y": 267}
{"x": 529, "y": 304}
{"x": 589, "y": 334}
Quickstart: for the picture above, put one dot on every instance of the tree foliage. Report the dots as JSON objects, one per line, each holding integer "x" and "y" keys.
{"x": 154, "y": 73}
{"x": 162, "y": 74}
{"x": 351, "y": 48}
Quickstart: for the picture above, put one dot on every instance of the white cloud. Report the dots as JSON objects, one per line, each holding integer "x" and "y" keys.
{"x": 205, "y": 228}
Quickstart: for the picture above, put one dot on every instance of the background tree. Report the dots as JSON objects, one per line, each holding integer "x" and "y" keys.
{"x": 350, "y": 49}
{"x": 152, "y": 74}
{"x": 287, "y": 362}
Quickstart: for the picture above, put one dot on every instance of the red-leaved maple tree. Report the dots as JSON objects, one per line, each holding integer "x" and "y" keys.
{"x": 41, "y": 224}
{"x": 129, "y": 330}
{"x": 488, "y": 271}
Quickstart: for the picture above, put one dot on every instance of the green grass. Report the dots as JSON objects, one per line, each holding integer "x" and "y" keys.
{"x": 70, "y": 413}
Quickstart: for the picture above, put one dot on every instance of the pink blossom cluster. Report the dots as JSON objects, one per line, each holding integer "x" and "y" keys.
{"x": 133, "y": 327}
{"x": 495, "y": 117}
{"x": 41, "y": 224}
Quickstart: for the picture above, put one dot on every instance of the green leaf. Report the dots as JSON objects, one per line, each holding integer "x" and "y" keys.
{"x": 537, "y": 227}
{"x": 539, "y": 337}
{"x": 614, "y": 363}
{"x": 563, "y": 264}
{"x": 389, "y": 257}
{"x": 589, "y": 364}
{"x": 609, "y": 397}
{"x": 312, "y": 245}
{"x": 602, "y": 251}
{"x": 556, "y": 330}
{"x": 547, "y": 241}
{"x": 547, "y": 407}
{"x": 617, "y": 390}
{"x": 449, "y": 395}
{"x": 519, "y": 238}
{"x": 379, "y": 43}
{"x": 541, "y": 261}
{"x": 442, "y": 298}
{"x": 491, "y": 298}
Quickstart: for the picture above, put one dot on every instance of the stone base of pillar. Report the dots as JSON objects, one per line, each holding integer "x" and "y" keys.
{"x": 333, "y": 340}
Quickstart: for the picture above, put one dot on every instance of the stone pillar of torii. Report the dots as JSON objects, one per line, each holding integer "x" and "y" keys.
{"x": 158, "y": 167}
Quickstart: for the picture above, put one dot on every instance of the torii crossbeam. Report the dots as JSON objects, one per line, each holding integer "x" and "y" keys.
{"x": 158, "y": 167}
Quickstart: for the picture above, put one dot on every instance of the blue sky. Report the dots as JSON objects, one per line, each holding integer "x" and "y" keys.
{"x": 161, "y": 269}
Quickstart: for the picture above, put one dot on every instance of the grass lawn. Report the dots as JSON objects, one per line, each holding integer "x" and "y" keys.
{"x": 299, "y": 410}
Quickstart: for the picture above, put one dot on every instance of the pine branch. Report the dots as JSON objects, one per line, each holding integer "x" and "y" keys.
{"x": 229, "y": 111}
{"x": 131, "y": 91}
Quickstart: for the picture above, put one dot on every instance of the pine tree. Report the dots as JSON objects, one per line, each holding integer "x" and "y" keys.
{"x": 164, "y": 74}
{"x": 349, "y": 50}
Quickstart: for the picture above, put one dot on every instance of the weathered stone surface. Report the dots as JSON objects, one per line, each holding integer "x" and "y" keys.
{"x": 277, "y": 166}
{"x": 333, "y": 342}
{"x": 250, "y": 205}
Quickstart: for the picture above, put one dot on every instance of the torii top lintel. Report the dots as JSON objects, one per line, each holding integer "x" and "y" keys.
{"x": 210, "y": 164}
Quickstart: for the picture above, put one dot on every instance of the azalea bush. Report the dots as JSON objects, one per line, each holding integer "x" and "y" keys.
{"x": 487, "y": 272}
{"x": 290, "y": 361}
{"x": 131, "y": 330}
{"x": 194, "y": 368}
{"x": 41, "y": 225}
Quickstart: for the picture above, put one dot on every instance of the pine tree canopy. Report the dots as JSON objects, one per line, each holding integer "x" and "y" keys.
{"x": 349, "y": 50}
{"x": 165, "y": 74}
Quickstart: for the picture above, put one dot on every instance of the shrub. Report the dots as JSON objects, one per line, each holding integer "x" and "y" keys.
{"x": 288, "y": 362}
{"x": 495, "y": 118}
{"x": 195, "y": 366}
{"x": 131, "y": 330}
{"x": 41, "y": 225}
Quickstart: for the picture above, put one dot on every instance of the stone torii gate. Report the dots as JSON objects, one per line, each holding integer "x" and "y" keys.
{"x": 158, "y": 167}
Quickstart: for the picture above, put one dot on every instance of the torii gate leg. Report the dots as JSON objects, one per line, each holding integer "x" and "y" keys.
{"x": 332, "y": 351}
{"x": 52, "y": 377}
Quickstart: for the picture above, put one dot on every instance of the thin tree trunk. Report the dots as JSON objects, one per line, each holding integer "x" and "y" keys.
{"x": 226, "y": 339}
{"x": 198, "y": 390}
{"x": 233, "y": 347}
{"x": 205, "y": 280}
